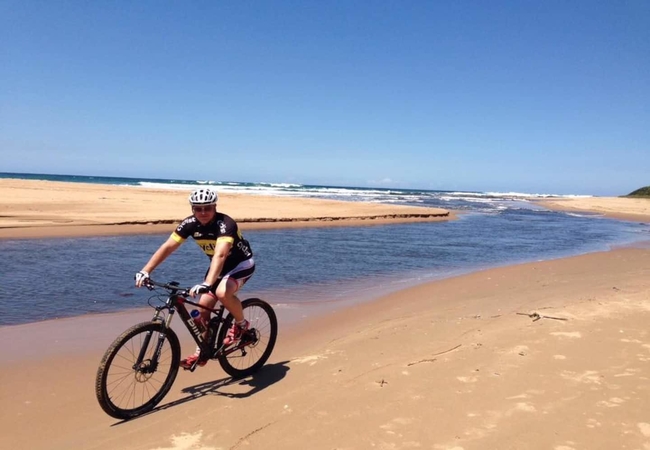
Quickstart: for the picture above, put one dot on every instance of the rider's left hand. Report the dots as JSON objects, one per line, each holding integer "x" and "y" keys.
{"x": 202, "y": 288}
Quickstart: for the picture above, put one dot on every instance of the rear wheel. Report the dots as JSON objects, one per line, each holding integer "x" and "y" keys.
{"x": 126, "y": 388}
{"x": 253, "y": 350}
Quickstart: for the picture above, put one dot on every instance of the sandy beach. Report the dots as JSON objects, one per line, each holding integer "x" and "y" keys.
{"x": 34, "y": 208}
{"x": 623, "y": 208}
{"x": 455, "y": 364}
{"x": 544, "y": 355}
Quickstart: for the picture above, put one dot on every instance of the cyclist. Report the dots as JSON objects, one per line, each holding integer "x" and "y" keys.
{"x": 231, "y": 262}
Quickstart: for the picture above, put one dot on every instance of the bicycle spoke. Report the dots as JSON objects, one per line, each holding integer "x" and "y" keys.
{"x": 256, "y": 346}
{"x": 128, "y": 387}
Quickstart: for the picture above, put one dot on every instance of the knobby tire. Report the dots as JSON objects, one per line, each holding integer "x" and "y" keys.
{"x": 131, "y": 402}
{"x": 262, "y": 318}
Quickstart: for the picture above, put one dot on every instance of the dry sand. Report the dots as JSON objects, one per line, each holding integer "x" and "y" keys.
{"x": 454, "y": 364}
{"x": 637, "y": 209}
{"x": 31, "y": 208}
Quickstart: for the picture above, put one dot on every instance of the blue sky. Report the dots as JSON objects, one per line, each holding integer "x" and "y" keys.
{"x": 528, "y": 96}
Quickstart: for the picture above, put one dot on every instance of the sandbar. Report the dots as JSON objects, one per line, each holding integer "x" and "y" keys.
{"x": 39, "y": 209}
{"x": 623, "y": 208}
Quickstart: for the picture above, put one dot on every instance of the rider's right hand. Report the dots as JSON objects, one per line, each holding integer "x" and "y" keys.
{"x": 141, "y": 278}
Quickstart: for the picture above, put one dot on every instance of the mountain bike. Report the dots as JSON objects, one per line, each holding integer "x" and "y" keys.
{"x": 140, "y": 366}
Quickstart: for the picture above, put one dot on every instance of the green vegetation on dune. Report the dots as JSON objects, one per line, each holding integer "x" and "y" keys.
{"x": 643, "y": 192}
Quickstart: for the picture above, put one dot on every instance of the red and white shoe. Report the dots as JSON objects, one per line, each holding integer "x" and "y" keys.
{"x": 188, "y": 362}
{"x": 235, "y": 333}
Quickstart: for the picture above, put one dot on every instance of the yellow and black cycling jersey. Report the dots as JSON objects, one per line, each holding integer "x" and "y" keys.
{"x": 221, "y": 228}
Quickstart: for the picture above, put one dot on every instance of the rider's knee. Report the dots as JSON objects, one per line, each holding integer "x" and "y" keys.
{"x": 207, "y": 300}
{"x": 227, "y": 289}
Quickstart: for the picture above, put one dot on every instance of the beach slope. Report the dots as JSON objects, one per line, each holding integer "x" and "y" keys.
{"x": 544, "y": 355}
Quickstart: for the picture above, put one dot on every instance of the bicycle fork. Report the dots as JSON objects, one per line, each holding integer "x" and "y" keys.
{"x": 140, "y": 364}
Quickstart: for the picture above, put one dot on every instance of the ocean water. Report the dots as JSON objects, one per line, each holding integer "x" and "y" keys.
{"x": 456, "y": 200}
{"x": 301, "y": 268}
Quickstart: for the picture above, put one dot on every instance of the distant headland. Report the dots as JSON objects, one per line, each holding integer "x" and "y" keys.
{"x": 642, "y": 192}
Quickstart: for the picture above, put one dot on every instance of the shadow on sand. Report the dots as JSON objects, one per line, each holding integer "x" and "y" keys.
{"x": 265, "y": 377}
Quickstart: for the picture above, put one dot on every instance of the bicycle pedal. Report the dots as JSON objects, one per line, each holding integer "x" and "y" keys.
{"x": 194, "y": 365}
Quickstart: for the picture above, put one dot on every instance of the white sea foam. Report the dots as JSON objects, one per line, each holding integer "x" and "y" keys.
{"x": 283, "y": 184}
{"x": 524, "y": 195}
{"x": 460, "y": 200}
{"x": 174, "y": 187}
{"x": 593, "y": 215}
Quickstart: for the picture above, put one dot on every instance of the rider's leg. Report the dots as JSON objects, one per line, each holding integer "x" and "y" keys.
{"x": 226, "y": 293}
{"x": 230, "y": 283}
{"x": 208, "y": 300}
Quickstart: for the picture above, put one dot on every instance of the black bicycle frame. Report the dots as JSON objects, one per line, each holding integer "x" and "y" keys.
{"x": 179, "y": 302}
{"x": 207, "y": 346}
{"x": 176, "y": 302}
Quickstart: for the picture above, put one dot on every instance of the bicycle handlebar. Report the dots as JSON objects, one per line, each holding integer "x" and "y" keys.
{"x": 172, "y": 287}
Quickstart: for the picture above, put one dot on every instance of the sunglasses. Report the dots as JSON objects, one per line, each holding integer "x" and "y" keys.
{"x": 203, "y": 209}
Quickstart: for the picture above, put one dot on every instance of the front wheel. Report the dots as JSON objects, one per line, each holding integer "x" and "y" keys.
{"x": 253, "y": 350}
{"x": 137, "y": 370}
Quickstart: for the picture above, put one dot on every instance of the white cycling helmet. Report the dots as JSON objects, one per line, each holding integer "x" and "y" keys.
{"x": 203, "y": 196}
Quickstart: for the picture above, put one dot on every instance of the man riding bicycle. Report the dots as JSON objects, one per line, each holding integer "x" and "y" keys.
{"x": 231, "y": 262}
